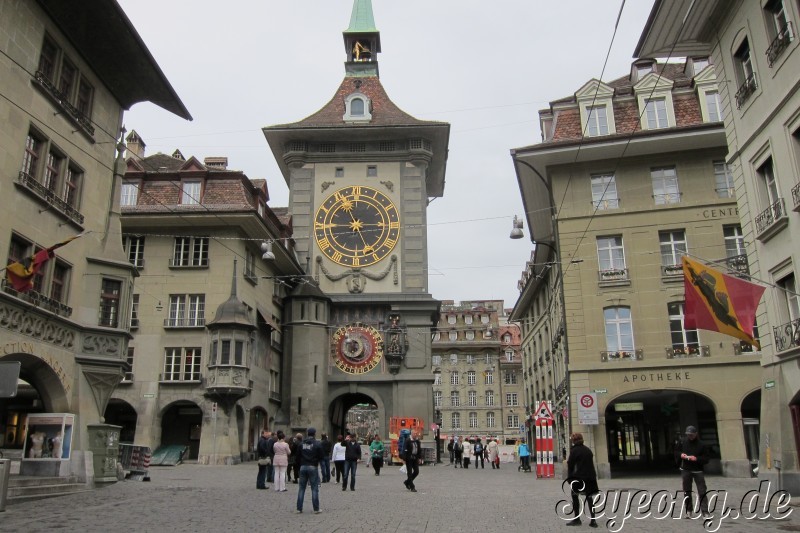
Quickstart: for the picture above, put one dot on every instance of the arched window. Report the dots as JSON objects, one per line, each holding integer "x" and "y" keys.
{"x": 357, "y": 107}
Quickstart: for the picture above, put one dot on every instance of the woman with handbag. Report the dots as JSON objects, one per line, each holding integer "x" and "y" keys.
{"x": 376, "y": 450}
{"x": 280, "y": 462}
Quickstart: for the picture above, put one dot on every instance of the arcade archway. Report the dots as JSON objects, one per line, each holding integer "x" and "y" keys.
{"x": 121, "y": 413}
{"x": 642, "y": 429}
{"x": 181, "y": 423}
{"x": 357, "y": 413}
{"x": 751, "y": 424}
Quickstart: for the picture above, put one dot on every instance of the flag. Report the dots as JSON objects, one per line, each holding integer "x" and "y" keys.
{"x": 20, "y": 274}
{"x": 718, "y": 302}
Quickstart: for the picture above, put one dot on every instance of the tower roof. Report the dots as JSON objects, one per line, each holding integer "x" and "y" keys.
{"x": 361, "y": 19}
{"x": 232, "y": 312}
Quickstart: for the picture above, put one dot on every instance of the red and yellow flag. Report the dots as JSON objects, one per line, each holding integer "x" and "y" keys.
{"x": 20, "y": 274}
{"x": 718, "y": 302}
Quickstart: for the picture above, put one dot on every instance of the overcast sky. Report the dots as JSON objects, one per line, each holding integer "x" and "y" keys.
{"x": 487, "y": 68}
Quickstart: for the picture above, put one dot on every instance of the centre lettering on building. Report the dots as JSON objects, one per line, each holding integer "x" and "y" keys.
{"x": 654, "y": 377}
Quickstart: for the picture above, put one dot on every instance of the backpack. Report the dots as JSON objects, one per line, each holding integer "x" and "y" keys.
{"x": 458, "y": 447}
{"x": 478, "y": 449}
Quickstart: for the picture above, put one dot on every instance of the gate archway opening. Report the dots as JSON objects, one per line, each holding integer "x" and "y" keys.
{"x": 643, "y": 428}
{"x": 121, "y": 413}
{"x": 751, "y": 425}
{"x": 182, "y": 423}
{"x": 357, "y": 413}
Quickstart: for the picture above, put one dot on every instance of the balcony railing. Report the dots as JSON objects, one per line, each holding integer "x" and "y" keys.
{"x": 770, "y": 216}
{"x": 779, "y": 43}
{"x": 61, "y": 99}
{"x": 671, "y": 271}
{"x": 49, "y": 197}
{"x": 631, "y": 355}
{"x": 191, "y": 263}
{"x": 787, "y": 336}
{"x": 687, "y": 351}
{"x": 742, "y": 347}
{"x": 38, "y": 299}
{"x": 613, "y": 274}
{"x": 746, "y": 90}
{"x": 668, "y": 198}
{"x": 796, "y": 197}
{"x": 185, "y": 322}
{"x": 738, "y": 265}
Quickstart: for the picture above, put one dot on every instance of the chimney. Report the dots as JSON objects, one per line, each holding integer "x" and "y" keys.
{"x": 217, "y": 163}
{"x": 134, "y": 145}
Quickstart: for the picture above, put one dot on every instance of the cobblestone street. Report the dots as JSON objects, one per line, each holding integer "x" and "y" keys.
{"x": 191, "y": 498}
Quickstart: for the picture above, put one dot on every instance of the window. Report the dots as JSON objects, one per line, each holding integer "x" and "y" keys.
{"x": 250, "y": 265}
{"x": 453, "y": 359}
{"x": 665, "y": 185}
{"x": 789, "y": 300}
{"x": 511, "y": 399}
{"x": 33, "y": 151}
{"x": 129, "y": 194}
{"x": 109, "y": 302}
{"x": 58, "y": 286}
{"x": 53, "y": 169}
{"x": 473, "y": 420}
{"x": 597, "y": 123}
{"x": 714, "y": 106}
{"x": 684, "y": 341}
{"x": 610, "y": 253}
{"x": 453, "y": 336}
{"x": 437, "y": 398}
{"x": 509, "y": 356}
{"x": 451, "y": 319}
{"x": 190, "y": 252}
{"x": 673, "y": 247}
{"x": 437, "y": 378}
{"x": 699, "y": 64}
{"x": 779, "y": 30}
{"x": 134, "y": 247}
{"x": 488, "y": 358}
{"x": 470, "y": 359}
{"x": 190, "y": 192}
{"x": 63, "y": 80}
{"x": 512, "y": 421}
{"x": 58, "y": 181}
{"x": 129, "y": 359}
{"x": 489, "y": 398}
{"x": 723, "y": 179}
{"x": 507, "y": 338}
{"x": 454, "y": 380}
{"x": 769, "y": 184}
{"x": 357, "y": 107}
{"x": 656, "y": 113}
{"x": 604, "y": 192}
{"x": 181, "y": 364}
{"x": 186, "y": 310}
{"x": 643, "y": 70}
{"x": 134, "y": 311}
{"x": 510, "y": 378}
{"x": 471, "y": 377}
{"x": 619, "y": 329}
{"x": 734, "y": 241}
{"x": 745, "y": 75}
{"x": 72, "y": 182}
{"x": 437, "y": 360}
{"x": 488, "y": 377}
{"x": 469, "y": 335}
{"x": 490, "y": 419}
{"x": 372, "y": 171}
{"x": 455, "y": 400}
{"x": 339, "y": 172}
{"x": 468, "y": 320}
{"x": 455, "y": 419}
{"x": 472, "y": 398}
{"x": 18, "y": 251}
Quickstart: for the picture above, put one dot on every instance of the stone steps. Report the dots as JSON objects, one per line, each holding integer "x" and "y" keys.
{"x": 27, "y": 488}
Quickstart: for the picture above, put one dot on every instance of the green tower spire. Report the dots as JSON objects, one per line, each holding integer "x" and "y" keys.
{"x": 361, "y": 20}
{"x": 362, "y": 41}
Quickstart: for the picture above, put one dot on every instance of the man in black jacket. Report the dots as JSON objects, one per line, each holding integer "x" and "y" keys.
{"x": 582, "y": 478}
{"x": 309, "y": 455}
{"x": 261, "y": 449}
{"x": 325, "y": 465}
{"x": 352, "y": 455}
{"x": 270, "y": 453}
{"x": 412, "y": 453}
{"x": 692, "y": 455}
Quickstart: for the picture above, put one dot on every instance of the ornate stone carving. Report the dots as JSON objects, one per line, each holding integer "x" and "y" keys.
{"x": 388, "y": 184}
{"x": 101, "y": 344}
{"x": 102, "y": 382}
{"x": 38, "y": 327}
{"x": 325, "y": 184}
{"x": 358, "y": 287}
{"x": 395, "y": 343}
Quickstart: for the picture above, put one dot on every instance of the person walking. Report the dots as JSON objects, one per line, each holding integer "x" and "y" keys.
{"x": 478, "y": 452}
{"x": 412, "y": 455}
{"x": 280, "y": 461}
{"x": 310, "y": 456}
{"x": 450, "y": 450}
{"x": 692, "y": 455}
{"x": 325, "y": 464}
{"x": 270, "y": 468}
{"x": 582, "y": 478}
{"x": 352, "y": 454}
{"x": 261, "y": 450}
{"x": 493, "y": 453}
{"x": 458, "y": 453}
{"x": 338, "y": 458}
{"x": 524, "y": 457}
{"x": 376, "y": 451}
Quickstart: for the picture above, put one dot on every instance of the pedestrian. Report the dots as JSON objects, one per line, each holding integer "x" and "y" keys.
{"x": 261, "y": 450}
{"x": 478, "y": 452}
{"x": 352, "y": 454}
{"x": 458, "y": 452}
{"x": 412, "y": 455}
{"x": 692, "y": 455}
{"x": 310, "y": 456}
{"x": 298, "y": 440}
{"x": 338, "y": 457}
{"x": 270, "y": 454}
{"x": 450, "y": 449}
{"x": 325, "y": 464}
{"x": 582, "y": 478}
{"x": 524, "y": 457}
{"x": 376, "y": 451}
{"x": 280, "y": 461}
{"x": 494, "y": 453}
{"x": 293, "y": 457}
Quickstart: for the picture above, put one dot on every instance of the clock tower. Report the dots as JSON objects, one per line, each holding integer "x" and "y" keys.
{"x": 361, "y": 173}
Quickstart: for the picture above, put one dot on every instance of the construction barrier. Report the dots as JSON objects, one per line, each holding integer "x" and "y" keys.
{"x": 135, "y": 460}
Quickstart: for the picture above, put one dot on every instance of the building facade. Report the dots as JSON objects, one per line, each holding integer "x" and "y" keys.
{"x": 631, "y": 176}
{"x": 754, "y": 47}
{"x": 69, "y": 72}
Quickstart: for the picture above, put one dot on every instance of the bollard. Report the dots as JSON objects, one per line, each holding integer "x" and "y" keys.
{"x": 5, "y": 470}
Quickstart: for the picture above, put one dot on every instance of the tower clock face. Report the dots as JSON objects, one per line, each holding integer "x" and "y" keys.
{"x": 357, "y": 226}
{"x": 358, "y": 348}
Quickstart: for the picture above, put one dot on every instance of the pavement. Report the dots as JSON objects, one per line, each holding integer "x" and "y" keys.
{"x": 192, "y": 498}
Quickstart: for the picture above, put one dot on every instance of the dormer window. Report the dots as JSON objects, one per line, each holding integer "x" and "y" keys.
{"x": 642, "y": 69}
{"x": 699, "y": 64}
{"x": 357, "y": 108}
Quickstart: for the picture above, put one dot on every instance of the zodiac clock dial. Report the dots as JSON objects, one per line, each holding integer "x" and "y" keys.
{"x": 358, "y": 348}
{"x": 357, "y": 226}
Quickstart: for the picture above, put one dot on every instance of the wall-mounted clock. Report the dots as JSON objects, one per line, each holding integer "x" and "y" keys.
{"x": 357, "y": 226}
{"x": 358, "y": 348}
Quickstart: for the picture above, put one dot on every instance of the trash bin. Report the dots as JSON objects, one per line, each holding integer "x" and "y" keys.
{"x": 5, "y": 470}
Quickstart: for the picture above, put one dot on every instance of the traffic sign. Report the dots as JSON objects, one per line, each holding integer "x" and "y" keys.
{"x": 587, "y": 409}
